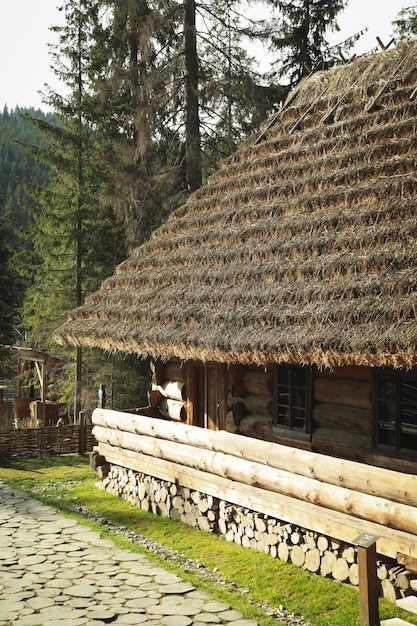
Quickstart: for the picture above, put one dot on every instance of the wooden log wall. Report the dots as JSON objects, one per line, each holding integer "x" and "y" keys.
{"x": 191, "y": 392}
{"x": 332, "y": 496}
{"x": 342, "y": 412}
{"x": 310, "y": 550}
{"x": 169, "y": 390}
{"x": 251, "y": 399}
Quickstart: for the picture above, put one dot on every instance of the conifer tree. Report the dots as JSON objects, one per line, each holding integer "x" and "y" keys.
{"x": 179, "y": 99}
{"x": 234, "y": 97}
{"x": 74, "y": 236}
{"x": 405, "y": 26}
{"x": 138, "y": 95}
{"x": 192, "y": 108}
{"x": 17, "y": 168}
{"x": 301, "y": 36}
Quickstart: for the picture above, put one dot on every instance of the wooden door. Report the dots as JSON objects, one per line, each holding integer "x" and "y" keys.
{"x": 207, "y": 387}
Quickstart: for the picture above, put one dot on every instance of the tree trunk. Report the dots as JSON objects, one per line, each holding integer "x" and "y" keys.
{"x": 192, "y": 121}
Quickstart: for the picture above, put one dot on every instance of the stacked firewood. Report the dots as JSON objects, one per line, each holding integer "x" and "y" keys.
{"x": 312, "y": 551}
{"x": 163, "y": 498}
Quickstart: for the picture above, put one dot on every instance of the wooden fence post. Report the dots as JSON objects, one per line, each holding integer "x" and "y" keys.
{"x": 368, "y": 580}
{"x": 81, "y": 433}
{"x": 102, "y": 397}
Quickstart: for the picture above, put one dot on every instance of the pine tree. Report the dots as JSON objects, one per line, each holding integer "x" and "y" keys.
{"x": 234, "y": 97}
{"x": 301, "y": 37}
{"x": 17, "y": 168}
{"x": 178, "y": 99}
{"x": 16, "y": 165}
{"x": 192, "y": 108}
{"x": 405, "y": 26}
{"x": 137, "y": 91}
{"x": 75, "y": 238}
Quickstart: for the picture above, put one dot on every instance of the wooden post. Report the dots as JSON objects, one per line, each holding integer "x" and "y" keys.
{"x": 368, "y": 581}
{"x": 81, "y": 433}
{"x": 43, "y": 397}
{"x": 191, "y": 392}
{"x": 102, "y": 397}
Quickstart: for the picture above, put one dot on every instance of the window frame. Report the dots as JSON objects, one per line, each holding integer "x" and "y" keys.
{"x": 398, "y": 377}
{"x": 291, "y": 430}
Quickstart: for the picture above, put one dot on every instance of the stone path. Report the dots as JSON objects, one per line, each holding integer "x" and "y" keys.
{"x": 56, "y": 572}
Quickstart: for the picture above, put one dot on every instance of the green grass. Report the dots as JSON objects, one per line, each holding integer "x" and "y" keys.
{"x": 62, "y": 481}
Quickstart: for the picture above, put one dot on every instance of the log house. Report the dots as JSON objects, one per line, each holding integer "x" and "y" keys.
{"x": 278, "y": 308}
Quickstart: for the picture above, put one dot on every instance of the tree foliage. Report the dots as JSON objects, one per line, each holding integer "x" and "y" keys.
{"x": 405, "y": 26}
{"x": 16, "y": 167}
{"x": 234, "y": 95}
{"x": 301, "y": 37}
{"x": 11, "y": 291}
{"x": 74, "y": 236}
{"x": 157, "y": 92}
{"x": 176, "y": 96}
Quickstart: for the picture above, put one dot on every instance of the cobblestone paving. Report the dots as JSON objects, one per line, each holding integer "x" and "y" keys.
{"x": 55, "y": 571}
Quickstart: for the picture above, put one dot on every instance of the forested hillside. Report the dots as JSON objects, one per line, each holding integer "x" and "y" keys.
{"x": 16, "y": 164}
{"x": 17, "y": 167}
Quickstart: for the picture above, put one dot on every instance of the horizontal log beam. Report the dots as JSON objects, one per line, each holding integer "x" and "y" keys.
{"x": 258, "y": 404}
{"x": 347, "y": 372}
{"x": 336, "y": 439}
{"x": 331, "y": 497}
{"x": 310, "y": 516}
{"x": 173, "y": 390}
{"x": 349, "y": 418}
{"x": 174, "y": 371}
{"x": 375, "y": 481}
{"x": 258, "y": 382}
{"x": 173, "y": 409}
{"x": 343, "y": 392}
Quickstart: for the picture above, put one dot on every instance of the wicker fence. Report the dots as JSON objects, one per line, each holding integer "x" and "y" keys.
{"x": 71, "y": 439}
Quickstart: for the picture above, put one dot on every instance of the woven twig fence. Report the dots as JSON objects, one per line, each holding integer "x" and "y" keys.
{"x": 71, "y": 439}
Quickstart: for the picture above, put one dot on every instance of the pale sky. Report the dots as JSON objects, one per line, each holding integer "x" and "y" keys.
{"x": 24, "y": 35}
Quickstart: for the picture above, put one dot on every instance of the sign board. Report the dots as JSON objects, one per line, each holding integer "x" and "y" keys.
{"x": 365, "y": 540}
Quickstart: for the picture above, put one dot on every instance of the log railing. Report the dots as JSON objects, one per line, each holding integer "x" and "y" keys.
{"x": 336, "y": 497}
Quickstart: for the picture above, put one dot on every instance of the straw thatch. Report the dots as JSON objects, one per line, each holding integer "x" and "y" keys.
{"x": 301, "y": 249}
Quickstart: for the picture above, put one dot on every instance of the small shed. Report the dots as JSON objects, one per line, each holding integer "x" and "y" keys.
{"x": 279, "y": 308}
{"x": 27, "y": 409}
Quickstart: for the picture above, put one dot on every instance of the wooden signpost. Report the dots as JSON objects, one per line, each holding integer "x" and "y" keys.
{"x": 102, "y": 397}
{"x": 368, "y": 581}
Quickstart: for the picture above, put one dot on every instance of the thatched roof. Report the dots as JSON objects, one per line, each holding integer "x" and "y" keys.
{"x": 302, "y": 248}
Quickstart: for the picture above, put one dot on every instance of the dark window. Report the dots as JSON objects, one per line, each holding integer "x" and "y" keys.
{"x": 395, "y": 401}
{"x": 293, "y": 398}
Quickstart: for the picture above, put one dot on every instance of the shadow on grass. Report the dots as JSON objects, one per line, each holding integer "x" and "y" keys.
{"x": 43, "y": 462}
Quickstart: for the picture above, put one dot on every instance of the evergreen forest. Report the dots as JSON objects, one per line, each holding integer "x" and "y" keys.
{"x": 155, "y": 94}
